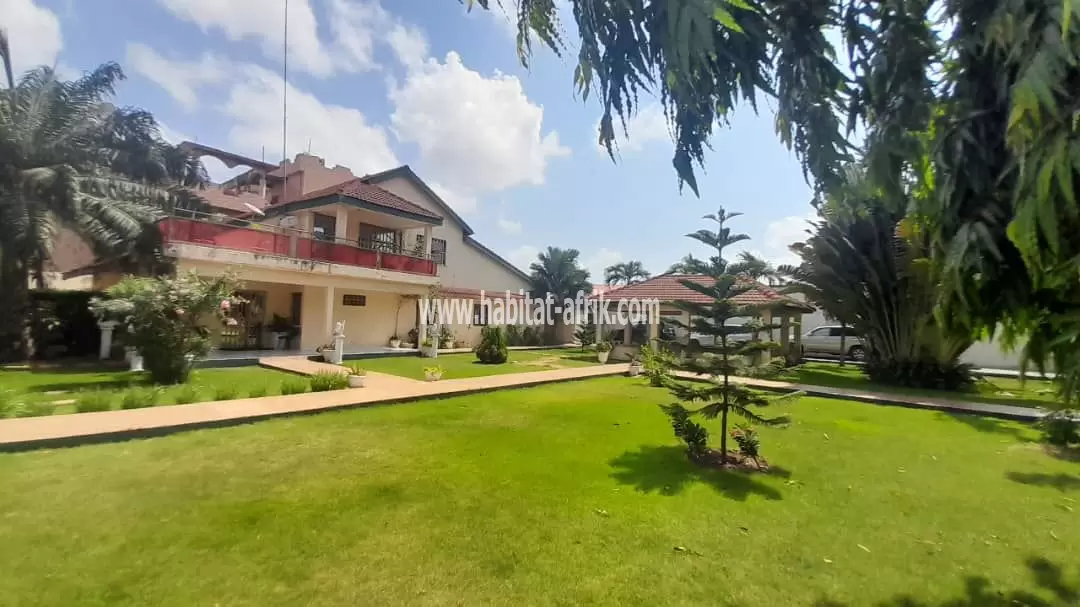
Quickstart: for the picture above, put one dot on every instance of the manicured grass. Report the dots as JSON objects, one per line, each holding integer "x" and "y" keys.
{"x": 465, "y": 365}
{"x": 566, "y": 494}
{"x": 995, "y": 390}
{"x": 47, "y": 386}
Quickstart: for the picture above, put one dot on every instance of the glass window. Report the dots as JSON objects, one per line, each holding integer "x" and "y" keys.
{"x": 438, "y": 251}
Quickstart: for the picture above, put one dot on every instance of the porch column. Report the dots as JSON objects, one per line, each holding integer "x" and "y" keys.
{"x": 328, "y": 319}
{"x": 598, "y": 322}
{"x": 785, "y": 332}
{"x": 341, "y": 226}
{"x": 105, "y": 347}
{"x": 421, "y": 326}
{"x": 627, "y": 334}
{"x": 767, "y": 318}
{"x": 305, "y": 222}
{"x": 797, "y": 321}
{"x": 427, "y": 242}
{"x": 654, "y": 329}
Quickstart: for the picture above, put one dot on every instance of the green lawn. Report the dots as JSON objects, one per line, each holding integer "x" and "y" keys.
{"x": 995, "y": 390}
{"x": 465, "y": 365}
{"x": 46, "y": 386}
{"x": 566, "y": 494}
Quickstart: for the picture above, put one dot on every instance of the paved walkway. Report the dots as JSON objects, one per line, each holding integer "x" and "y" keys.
{"x": 886, "y": 398}
{"x": 80, "y": 428}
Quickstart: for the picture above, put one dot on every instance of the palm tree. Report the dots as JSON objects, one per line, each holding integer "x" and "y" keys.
{"x": 627, "y": 273}
{"x": 73, "y": 160}
{"x": 689, "y": 265}
{"x": 755, "y": 268}
{"x": 557, "y": 271}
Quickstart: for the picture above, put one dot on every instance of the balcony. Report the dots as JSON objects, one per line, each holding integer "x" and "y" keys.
{"x": 271, "y": 240}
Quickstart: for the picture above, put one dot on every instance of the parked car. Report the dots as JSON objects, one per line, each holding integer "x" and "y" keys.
{"x": 827, "y": 340}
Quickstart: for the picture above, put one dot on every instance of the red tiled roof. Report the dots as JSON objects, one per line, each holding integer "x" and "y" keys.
{"x": 668, "y": 287}
{"x": 372, "y": 194}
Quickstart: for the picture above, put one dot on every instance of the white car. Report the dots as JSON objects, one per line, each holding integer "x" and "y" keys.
{"x": 827, "y": 340}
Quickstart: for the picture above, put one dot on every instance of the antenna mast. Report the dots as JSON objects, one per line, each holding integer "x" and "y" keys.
{"x": 285, "y": 107}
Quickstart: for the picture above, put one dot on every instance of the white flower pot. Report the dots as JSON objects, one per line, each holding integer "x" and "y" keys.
{"x": 448, "y": 345}
{"x": 429, "y": 376}
{"x": 328, "y": 355}
{"x": 635, "y": 370}
{"x": 602, "y": 357}
{"x": 395, "y": 343}
{"x": 357, "y": 381}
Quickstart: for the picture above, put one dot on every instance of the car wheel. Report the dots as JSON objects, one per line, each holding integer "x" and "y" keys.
{"x": 857, "y": 353}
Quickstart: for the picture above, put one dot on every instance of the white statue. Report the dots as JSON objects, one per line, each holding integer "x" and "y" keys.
{"x": 339, "y": 329}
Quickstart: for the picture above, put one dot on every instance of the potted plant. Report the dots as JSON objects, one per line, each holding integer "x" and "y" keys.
{"x": 429, "y": 348}
{"x": 433, "y": 373}
{"x": 280, "y": 329}
{"x": 446, "y": 338}
{"x": 635, "y": 367}
{"x": 414, "y": 335}
{"x": 395, "y": 341}
{"x": 357, "y": 375}
{"x": 603, "y": 350}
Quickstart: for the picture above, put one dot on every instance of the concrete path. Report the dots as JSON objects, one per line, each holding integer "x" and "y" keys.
{"x": 300, "y": 365}
{"x": 81, "y": 428}
{"x": 885, "y": 398}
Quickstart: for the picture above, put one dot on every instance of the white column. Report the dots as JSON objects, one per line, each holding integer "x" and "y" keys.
{"x": 598, "y": 322}
{"x": 328, "y": 319}
{"x": 421, "y": 327}
{"x": 105, "y": 348}
{"x": 427, "y": 242}
{"x": 341, "y": 226}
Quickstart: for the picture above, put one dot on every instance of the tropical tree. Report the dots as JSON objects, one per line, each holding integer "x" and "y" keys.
{"x": 688, "y": 265}
{"x": 626, "y": 273}
{"x": 73, "y": 160}
{"x": 720, "y": 397}
{"x": 865, "y": 265}
{"x": 972, "y": 100}
{"x": 557, "y": 271}
{"x": 756, "y": 268}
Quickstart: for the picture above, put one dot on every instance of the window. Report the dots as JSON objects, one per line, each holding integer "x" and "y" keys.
{"x": 378, "y": 238}
{"x": 820, "y": 332}
{"x": 479, "y": 315}
{"x": 838, "y": 331}
{"x": 354, "y": 300}
{"x": 438, "y": 251}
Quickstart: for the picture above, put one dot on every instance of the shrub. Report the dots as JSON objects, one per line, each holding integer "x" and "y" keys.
{"x": 657, "y": 363}
{"x": 531, "y": 336}
{"x": 604, "y": 346}
{"x": 413, "y": 336}
{"x": 492, "y": 349}
{"x": 166, "y": 318}
{"x": 445, "y": 335}
{"x": 586, "y": 335}
{"x": 226, "y": 392}
{"x": 694, "y": 435}
{"x": 747, "y": 438}
{"x": 139, "y": 398}
{"x": 325, "y": 381}
{"x": 257, "y": 392}
{"x": 513, "y": 336}
{"x": 94, "y": 401}
{"x": 15, "y": 405}
{"x": 922, "y": 373}
{"x": 293, "y": 386}
{"x": 1061, "y": 428}
{"x": 187, "y": 394}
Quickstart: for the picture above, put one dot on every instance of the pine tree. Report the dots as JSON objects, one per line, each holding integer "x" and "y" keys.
{"x": 719, "y": 396}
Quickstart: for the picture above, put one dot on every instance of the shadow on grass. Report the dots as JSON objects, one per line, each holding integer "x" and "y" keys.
{"x": 1059, "y": 481}
{"x": 980, "y": 592}
{"x": 990, "y": 425}
{"x": 666, "y": 470}
{"x": 82, "y": 386}
{"x": 583, "y": 357}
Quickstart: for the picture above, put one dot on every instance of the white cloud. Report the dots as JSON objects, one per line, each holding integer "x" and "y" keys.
{"x": 523, "y": 256}
{"x": 33, "y": 34}
{"x": 601, "y": 259}
{"x": 779, "y": 235}
{"x": 355, "y": 29}
{"x": 646, "y": 126}
{"x": 509, "y": 226}
{"x": 409, "y": 45}
{"x": 341, "y": 135}
{"x": 181, "y": 79}
{"x": 476, "y": 135}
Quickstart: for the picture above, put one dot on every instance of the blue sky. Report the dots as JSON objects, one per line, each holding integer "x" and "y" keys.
{"x": 426, "y": 83}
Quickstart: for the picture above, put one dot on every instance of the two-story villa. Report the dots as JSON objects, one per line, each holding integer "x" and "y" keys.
{"x": 317, "y": 245}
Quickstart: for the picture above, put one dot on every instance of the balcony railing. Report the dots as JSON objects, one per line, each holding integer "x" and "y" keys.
{"x": 266, "y": 239}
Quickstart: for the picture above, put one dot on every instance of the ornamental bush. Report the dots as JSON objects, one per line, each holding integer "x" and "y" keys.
{"x": 169, "y": 318}
{"x": 492, "y": 349}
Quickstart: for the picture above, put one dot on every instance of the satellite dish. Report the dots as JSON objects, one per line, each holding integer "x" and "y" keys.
{"x": 288, "y": 221}
{"x": 254, "y": 209}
